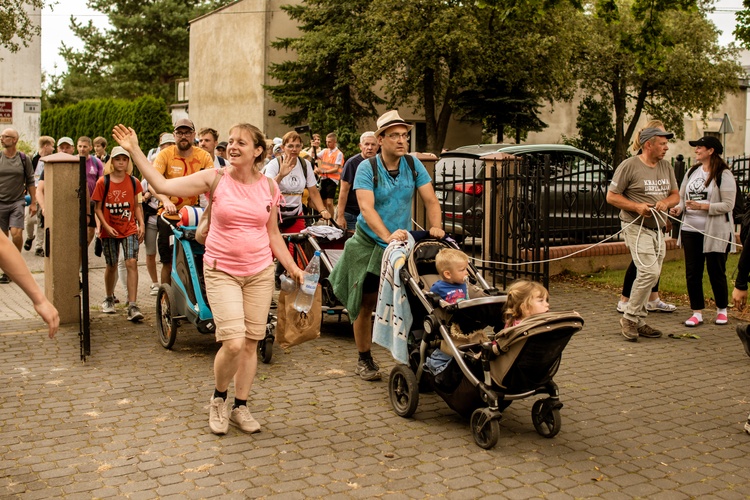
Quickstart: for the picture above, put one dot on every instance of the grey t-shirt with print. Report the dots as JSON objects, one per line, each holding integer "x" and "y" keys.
{"x": 640, "y": 183}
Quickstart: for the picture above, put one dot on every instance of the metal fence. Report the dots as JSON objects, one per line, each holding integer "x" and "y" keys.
{"x": 507, "y": 213}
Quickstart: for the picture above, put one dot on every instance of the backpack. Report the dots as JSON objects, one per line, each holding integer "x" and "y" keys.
{"x": 374, "y": 164}
{"x": 738, "y": 211}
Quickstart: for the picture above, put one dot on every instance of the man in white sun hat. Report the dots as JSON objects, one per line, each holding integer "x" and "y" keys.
{"x": 384, "y": 193}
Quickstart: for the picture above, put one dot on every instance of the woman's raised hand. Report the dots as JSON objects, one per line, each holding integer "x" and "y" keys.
{"x": 125, "y": 137}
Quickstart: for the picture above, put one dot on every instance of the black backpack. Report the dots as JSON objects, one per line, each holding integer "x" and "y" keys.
{"x": 374, "y": 164}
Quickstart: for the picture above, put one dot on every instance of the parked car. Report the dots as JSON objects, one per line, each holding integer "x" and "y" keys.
{"x": 577, "y": 209}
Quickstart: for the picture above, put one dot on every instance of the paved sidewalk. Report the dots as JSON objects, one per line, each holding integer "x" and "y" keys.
{"x": 654, "y": 419}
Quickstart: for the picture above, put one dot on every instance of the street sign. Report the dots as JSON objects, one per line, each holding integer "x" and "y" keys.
{"x": 726, "y": 125}
{"x": 32, "y": 107}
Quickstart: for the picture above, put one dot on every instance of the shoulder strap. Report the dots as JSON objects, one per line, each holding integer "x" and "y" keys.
{"x": 134, "y": 180}
{"x": 106, "y": 188}
{"x": 23, "y": 156}
{"x": 222, "y": 161}
{"x": 410, "y": 162}
{"x": 374, "y": 164}
{"x": 215, "y": 183}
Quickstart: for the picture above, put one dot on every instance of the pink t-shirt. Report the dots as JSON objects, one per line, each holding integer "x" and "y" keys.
{"x": 238, "y": 242}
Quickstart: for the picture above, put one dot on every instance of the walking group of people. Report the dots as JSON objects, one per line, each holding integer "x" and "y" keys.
{"x": 257, "y": 194}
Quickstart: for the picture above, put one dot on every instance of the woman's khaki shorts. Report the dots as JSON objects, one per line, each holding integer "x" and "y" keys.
{"x": 239, "y": 304}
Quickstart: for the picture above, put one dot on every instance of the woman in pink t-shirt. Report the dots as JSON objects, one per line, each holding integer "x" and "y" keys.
{"x": 238, "y": 262}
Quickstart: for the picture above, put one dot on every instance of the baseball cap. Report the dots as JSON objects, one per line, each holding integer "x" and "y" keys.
{"x": 65, "y": 140}
{"x": 221, "y": 145}
{"x": 651, "y": 132}
{"x": 166, "y": 139}
{"x": 709, "y": 142}
{"x": 119, "y": 150}
{"x": 184, "y": 122}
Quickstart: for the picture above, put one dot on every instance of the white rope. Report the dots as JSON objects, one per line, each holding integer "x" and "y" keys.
{"x": 661, "y": 218}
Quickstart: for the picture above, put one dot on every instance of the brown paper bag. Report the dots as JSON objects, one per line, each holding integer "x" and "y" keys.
{"x": 294, "y": 327}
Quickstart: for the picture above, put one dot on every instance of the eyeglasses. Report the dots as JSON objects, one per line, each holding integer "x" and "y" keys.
{"x": 177, "y": 133}
{"x": 395, "y": 136}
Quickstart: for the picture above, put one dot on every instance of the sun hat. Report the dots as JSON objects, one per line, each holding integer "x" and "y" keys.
{"x": 390, "y": 119}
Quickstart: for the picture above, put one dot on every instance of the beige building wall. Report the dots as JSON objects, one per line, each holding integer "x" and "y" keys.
{"x": 230, "y": 51}
{"x": 561, "y": 118}
{"x": 227, "y": 65}
{"x": 21, "y": 87}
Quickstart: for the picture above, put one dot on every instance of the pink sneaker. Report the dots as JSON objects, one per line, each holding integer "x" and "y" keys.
{"x": 721, "y": 319}
{"x": 694, "y": 321}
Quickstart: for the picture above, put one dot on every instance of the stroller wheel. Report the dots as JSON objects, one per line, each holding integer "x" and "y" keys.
{"x": 403, "y": 391}
{"x": 166, "y": 325}
{"x": 485, "y": 428}
{"x": 265, "y": 349}
{"x": 546, "y": 418}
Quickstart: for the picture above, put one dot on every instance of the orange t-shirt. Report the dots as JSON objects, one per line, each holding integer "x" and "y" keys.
{"x": 171, "y": 165}
{"x": 119, "y": 207}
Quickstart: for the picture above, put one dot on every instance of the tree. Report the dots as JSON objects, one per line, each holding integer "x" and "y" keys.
{"x": 143, "y": 53}
{"x": 423, "y": 52}
{"x": 595, "y": 130}
{"x": 659, "y": 58}
{"x": 319, "y": 86}
{"x": 17, "y": 29}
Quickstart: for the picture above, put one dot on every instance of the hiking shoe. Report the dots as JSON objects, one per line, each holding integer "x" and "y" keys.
{"x": 629, "y": 330}
{"x": 27, "y": 244}
{"x": 154, "y": 290}
{"x": 134, "y": 314}
{"x": 744, "y": 337}
{"x": 660, "y": 306}
{"x": 108, "y": 306}
{"x": 217, "y": 416}
{"x": 4, "y": 279}
{"x": 648, "y": 332}
{"x": 241, "y": 417}
{"x": 621, "y": 306}
{"x": 721, "y": 319}
{"x": 39, "y": 252}
{"x": 367, "y": 369}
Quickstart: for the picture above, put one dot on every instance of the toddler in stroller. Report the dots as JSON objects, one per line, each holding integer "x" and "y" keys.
{"x": 465, "y": 355}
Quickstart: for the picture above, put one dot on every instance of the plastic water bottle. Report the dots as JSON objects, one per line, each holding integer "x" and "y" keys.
{"x": 306, "y": 292}
{"x": 287, "y": 283}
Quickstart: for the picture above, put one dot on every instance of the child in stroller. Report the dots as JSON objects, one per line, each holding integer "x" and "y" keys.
{"x": 465, "y": 355}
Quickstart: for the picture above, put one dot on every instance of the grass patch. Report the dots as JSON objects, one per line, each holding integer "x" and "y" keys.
{"x": 672, "y": 285}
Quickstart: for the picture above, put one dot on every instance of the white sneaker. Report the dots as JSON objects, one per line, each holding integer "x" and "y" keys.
{"x": 154, "y": 289}
{"x": 217, "y": 416}
{"x": 621, "y": 306}
{"x": 242, "y": 418}
{"x": 661, "y": 306}
{"x": 108, "y": 306}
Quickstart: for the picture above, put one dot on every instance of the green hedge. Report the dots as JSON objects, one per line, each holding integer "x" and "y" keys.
{"x": 148, "y": 115}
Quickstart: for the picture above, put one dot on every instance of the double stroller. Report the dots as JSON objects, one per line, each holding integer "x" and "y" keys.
{"x": 185, "y": 298}
{"x": 462, "y": 352}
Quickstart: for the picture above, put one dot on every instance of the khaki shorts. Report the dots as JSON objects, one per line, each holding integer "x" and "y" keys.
{"x": 239, "y": 304}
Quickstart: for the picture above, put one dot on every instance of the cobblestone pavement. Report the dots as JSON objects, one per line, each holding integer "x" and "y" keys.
{"x": 654, "y": 419}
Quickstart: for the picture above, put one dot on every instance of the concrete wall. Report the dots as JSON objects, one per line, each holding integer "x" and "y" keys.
{"x": 21, "y": 86}
{"x": 227, "y": 66}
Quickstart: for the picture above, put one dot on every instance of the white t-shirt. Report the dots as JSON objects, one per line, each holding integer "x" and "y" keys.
{"x": 696, "y": 190}
{"x": 292, "y": 185}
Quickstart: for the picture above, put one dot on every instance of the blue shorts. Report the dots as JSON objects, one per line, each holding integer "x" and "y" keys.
{"x": 111, "y": 249}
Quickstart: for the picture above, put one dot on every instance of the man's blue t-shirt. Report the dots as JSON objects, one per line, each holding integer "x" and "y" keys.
{"x": 392, "y": 196}
{"x": 451, "y": 292}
